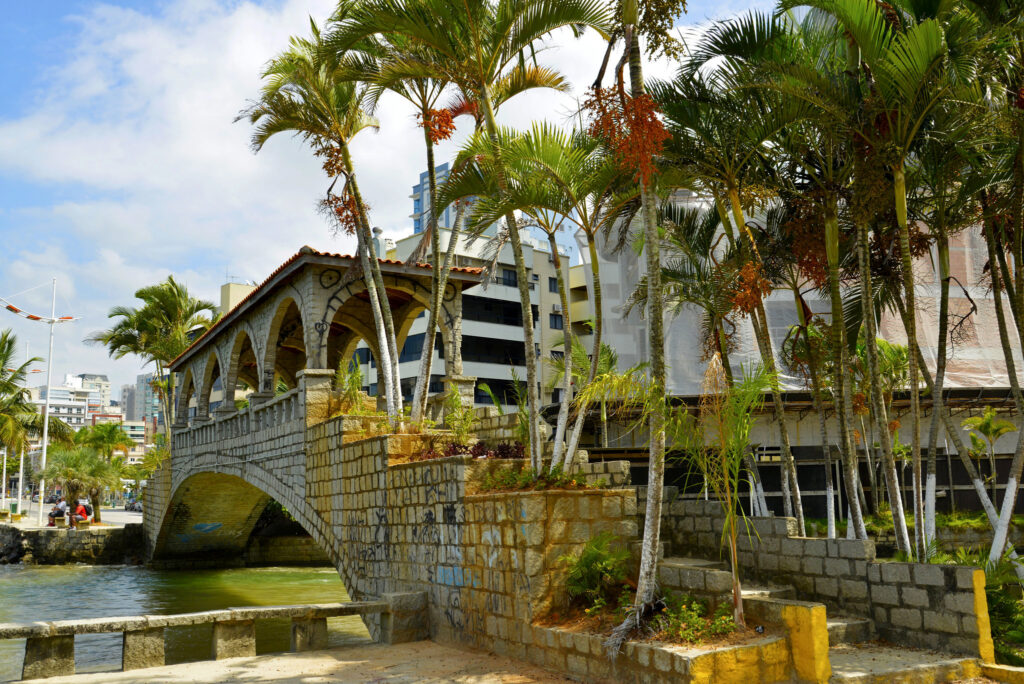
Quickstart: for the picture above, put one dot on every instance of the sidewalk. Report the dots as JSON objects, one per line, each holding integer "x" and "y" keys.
{"x": 112, "y": 517}
{"x": 420, "y": 662}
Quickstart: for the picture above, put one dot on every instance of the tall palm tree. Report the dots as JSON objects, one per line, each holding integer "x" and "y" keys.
{"x": 305, "y": 93}
{"x": 107, "y": 439}
{"x": 480, "y": 45}
{"x": 157, "y": 332}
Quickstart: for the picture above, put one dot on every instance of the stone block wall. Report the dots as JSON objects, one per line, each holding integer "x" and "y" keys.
{"x": 54, "y": 546}
{"x": 512, "y": 572}
{"x": 493, "y": 427}
{"x": 294, "y": 550}
{"x": 932, "y": 606}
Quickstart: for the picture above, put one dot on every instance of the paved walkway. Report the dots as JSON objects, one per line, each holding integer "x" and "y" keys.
{"x": 112, "y": 517}
{"x": 422, "y": 662}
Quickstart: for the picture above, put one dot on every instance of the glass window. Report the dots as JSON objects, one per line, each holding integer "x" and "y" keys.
{"x": 553, "y": 285}
{"x": 556, "y": 322}
{"x": 508, "y": 277}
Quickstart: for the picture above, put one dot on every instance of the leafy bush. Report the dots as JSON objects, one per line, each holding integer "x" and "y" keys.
{"x": 457, "y": 418}
{"x": 508, "y": 480}
{"x": 597, "y": 572}
{"x": 688, "y": 619}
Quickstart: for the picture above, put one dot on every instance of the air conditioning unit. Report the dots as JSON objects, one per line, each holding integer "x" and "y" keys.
{"x": 556, "y": 308}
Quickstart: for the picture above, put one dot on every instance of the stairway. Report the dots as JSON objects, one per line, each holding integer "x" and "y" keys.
{"x": 855, "y": 658}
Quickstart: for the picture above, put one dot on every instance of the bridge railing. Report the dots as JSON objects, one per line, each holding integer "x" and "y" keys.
{"x": 279, "y": 410}
{"x": 50, "y": 646}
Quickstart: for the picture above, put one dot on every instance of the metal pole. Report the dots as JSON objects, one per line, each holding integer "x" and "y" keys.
{"x": 21, "y": 479}
{"x": 3, "y": 485}
{"x": 46, "y": 415}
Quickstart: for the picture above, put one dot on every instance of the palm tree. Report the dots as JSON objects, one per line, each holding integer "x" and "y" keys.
{"x": 106, "y": 438}
{"x": 481, "y": 46}
{"x": 158, "y": 332}
{"x": 307, "y": 94}
{"x": 81, "y": 469}
{"x": 990, "y": 427}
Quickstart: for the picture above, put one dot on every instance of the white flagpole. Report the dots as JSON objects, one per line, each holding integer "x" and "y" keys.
{"x": 46, "y": 414}
{"x": 3, "y": 484}
{"x": 21, "y": 480}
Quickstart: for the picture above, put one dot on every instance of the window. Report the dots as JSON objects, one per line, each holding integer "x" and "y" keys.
{"x": 553, "y": 285}
{"x": 557, "y": 354}
{"x": 508, "y": 277}
{"x": 556, "y": 322}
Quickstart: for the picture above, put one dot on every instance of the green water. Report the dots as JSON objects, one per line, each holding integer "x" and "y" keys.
{"x": 29, "y": 593}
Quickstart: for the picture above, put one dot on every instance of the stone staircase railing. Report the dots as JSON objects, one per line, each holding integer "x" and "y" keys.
{"x": 50, "y": 646}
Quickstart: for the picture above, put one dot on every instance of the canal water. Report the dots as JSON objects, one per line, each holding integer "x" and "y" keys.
{"x": 59, "y": 592}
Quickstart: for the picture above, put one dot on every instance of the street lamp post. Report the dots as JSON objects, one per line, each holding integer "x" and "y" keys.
{"x": 46, "y": 409}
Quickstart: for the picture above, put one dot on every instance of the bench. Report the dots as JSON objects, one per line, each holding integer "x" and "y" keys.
{"x": 60, "y": 521}
{"x": 82, "y": 525}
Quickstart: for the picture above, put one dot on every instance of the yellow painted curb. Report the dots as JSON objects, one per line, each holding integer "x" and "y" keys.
{"x": 1003, "y": 673}
{"x": 986, "y": 649}
{"x": 808, "y": 637}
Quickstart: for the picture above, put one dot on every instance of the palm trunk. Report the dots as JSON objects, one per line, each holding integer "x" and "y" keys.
{"x": 419, "y": 399}
{"x": 94, "y": 498}
{"x": 532, "y": 398}
{"x": 647, "y": 580}
{"x": 764, "y": 344}
{"x": 562, "y": 456}
{"x": 381, "y": 311}
{"x": 907, "y": 263}
{"x": 942, "y": 245}
{"x": 867, "y": 300}
{"x": 577, "y": 430}
{"x": 1001, "y": 531}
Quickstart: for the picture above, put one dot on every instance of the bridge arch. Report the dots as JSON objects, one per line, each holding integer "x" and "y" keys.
{"x": 286, "y": 353}
{"x": 211, "y": 374}
{"x": 242, "y": 367}
{"x": 185, "y": 397}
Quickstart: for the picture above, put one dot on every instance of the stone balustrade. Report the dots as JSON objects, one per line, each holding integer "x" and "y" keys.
{"x": 50, "y": 646}
{"x": 284, "y": 409}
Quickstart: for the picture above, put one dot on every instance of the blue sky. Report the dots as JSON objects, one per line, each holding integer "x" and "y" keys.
{"x": 120, "y": 164}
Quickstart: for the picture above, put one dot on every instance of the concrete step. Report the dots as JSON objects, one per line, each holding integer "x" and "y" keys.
{"x": 636, "y": 549}
{"x": 872, "y": 664}
{"x": 847, "y": 630}
{"x": 764, "y": 591}
{"x": 683, "y": 561}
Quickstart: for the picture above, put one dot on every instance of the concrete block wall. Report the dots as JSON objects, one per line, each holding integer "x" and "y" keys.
{"x": 932, "y": 606}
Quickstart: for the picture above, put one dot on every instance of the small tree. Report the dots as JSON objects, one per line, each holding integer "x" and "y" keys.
{"x": 991, "y": 428}
{"x": 78, "y": 469}
{"x": 717, "y": 442}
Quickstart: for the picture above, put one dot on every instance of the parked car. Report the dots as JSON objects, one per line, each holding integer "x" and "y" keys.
{"x": 135, "y": 506}
{"x": 52, "y": 499}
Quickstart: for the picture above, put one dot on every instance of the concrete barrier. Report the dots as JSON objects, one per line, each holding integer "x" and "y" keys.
{"x": 50, "y": 646}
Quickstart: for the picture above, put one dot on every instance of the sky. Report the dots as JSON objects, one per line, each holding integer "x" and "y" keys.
{"x": 120, "y": 162}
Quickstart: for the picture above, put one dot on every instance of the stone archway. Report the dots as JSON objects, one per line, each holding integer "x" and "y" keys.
{"x": 211, "y": 375}
{"x": 286, "y": 353}
{"x": 243, "y": 368}
{"x": 185, "y": 397}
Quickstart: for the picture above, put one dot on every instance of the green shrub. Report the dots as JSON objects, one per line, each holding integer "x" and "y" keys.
{"x": 457, "y": 418}
{"x": 509, "y": 480}
{"x": 687, "y": 619}
{"x": 597, "y": 572}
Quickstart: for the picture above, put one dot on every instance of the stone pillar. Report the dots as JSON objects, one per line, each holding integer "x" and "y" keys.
{"x": 315, "y": 391}
{"x": 257, "y": 398}
{"x": 406, "y": 619}
{"x": 309, "y": 634}
{"x": 465, "y": 385}
{"x": 234, "y": 639}
{"x": 142, "y": 648}
{"x": 52, "y": 656}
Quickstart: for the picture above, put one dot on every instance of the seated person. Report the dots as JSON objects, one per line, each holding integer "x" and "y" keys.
{"x": 55, "y": 512}
{"x": 80, "y": 513}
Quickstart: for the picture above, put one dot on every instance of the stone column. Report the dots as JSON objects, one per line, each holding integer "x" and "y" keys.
{"x": 315, "y": 392}
{"x": 234, "y": 639}
{"x": 309, "y": 634}
{"x": 465, "y": 385}
{"x": 406, "y": 618}
{"x": 142, "y": 648}
{"x": 51, "y": 656}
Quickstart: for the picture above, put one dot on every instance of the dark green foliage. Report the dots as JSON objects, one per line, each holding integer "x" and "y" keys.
{"x": 688, "y": 619}
{"x": 597, "y": 572}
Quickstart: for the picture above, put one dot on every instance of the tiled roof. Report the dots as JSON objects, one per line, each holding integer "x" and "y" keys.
{"x": 306, "y": 250}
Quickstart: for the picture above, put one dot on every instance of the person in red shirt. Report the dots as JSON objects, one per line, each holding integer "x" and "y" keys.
{"x": 80, "y": 513}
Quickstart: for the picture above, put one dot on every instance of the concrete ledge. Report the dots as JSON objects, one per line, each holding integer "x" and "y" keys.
{"x": 48, "y": 657}
{"x": 233, "y": 639}
{"x": 1006, "y": 674}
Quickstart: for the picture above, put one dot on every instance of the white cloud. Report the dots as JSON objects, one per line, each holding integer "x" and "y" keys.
{"x": 138, "y": 122}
